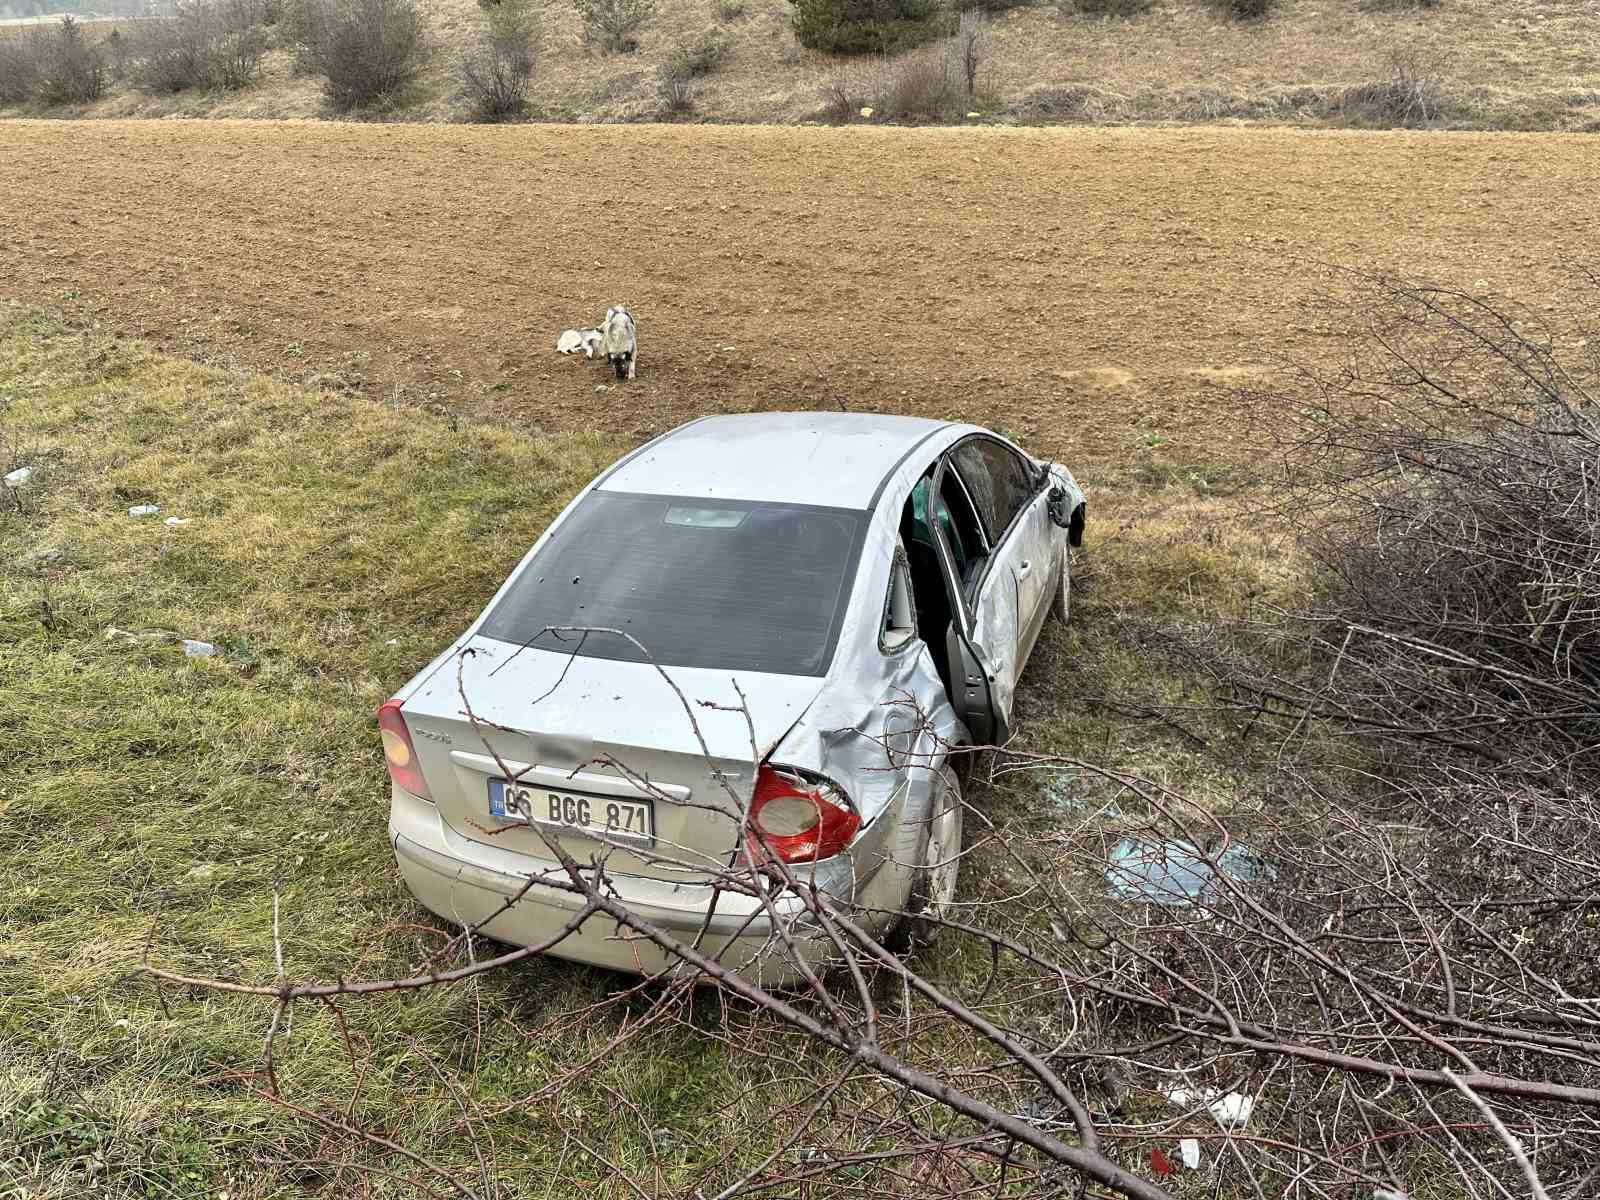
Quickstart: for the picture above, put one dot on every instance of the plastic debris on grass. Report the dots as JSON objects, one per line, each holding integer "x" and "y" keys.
{"x": 198, "y": 649}
{"x": 1189, "y": 1151}
{"x": 19, "y": 477}
{"x": 1060, "y": 790}
{"x": 1176, "y": 873}
{"x": 177, "y": 520}
{"x": 1226, "y": 1108}
{"x": 144, "y": 510}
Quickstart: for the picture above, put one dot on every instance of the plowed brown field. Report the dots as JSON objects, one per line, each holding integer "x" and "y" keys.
{"x": 1076, "y": 287}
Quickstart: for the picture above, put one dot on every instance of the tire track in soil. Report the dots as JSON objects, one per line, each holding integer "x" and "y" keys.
{"x": 1075, "y": 287}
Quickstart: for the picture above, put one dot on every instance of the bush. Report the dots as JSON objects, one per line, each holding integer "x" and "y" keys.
{"x": 925, "y": 86}
{"x": 19, "y": 68}
{"x": 1244, "y": 10}
{"x": 69, "y": 69}
{"x": 1410, "y": 94}
{"x": 677, "y": 94}
{"x": 991, "y": 6}
{"x": 843, "y": 95}
{"x": 495, "y": 76}
{"x": 869, "y": 26}
{"x": 699, "y": 57}
{"x": 728, "y": 10}
{"x": 1107, "y": 8}
{"x": 370, "y": 51}
{"x": 612, "y": 25}
{"x": 211, "y": 44}
{"x": 1444, "y": 485}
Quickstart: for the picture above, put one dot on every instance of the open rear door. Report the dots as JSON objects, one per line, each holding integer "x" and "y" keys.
{"x": 981, "y": 642}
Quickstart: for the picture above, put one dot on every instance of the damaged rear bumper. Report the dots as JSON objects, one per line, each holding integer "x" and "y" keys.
{"x": 465, "y": 881}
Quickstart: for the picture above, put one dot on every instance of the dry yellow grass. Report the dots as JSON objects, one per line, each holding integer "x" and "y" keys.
{"x": 1506, "y": 64}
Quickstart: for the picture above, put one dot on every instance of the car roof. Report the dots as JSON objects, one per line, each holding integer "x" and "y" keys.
{"x": 836, "y": 459}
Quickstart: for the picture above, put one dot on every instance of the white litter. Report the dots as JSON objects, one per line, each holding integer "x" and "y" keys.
{"x": 573, "y": 340}
{"x": 144, "y": 510}
{"x": 1189, "y": 1150}
{"x": 127, "y": 635}
{"x": 177, "y": 520}
{"x": 1232, "y": 1109}
{"x": 1388, "y": 1194}
{"x": 19, "y": 477}
{"x": 194, "y": 649}
{"x": 866, "y": 112}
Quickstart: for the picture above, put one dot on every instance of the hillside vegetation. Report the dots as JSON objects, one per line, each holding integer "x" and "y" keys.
{"x": 1474, "y": 64}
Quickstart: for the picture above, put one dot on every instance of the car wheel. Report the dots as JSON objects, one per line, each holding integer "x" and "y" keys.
{"x": 933, "y": 888}
{"x": 1062, "y": 604}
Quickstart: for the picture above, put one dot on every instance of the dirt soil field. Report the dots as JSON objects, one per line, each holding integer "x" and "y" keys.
{"x": 1082, "y": 289}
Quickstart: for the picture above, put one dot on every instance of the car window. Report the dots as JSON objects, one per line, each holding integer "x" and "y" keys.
{"x": 963, "y": 539}
{"x": 999, "y": 479}
{"x": 899, "y": 607}
{"x": 725, "y": 584}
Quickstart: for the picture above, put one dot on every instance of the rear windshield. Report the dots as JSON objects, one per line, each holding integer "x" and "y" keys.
{"x": 700, "y": 583}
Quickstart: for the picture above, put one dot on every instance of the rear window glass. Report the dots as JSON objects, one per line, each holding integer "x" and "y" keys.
{"x": 732, "y": 585}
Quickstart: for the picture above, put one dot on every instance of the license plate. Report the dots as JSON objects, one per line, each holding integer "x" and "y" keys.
{"x": 631, "y": 822}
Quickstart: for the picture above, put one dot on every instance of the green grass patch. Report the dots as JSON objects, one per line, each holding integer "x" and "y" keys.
{"x": 333, "y": 545}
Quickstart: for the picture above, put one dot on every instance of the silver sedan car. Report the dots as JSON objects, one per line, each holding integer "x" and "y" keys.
{"x": 854, "y": 595}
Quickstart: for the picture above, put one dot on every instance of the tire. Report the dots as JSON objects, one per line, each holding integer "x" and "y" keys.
{"x": 1061, "y": 603}
{"x": 933, "y": 888}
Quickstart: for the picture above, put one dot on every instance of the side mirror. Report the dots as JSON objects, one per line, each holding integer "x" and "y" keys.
{"x": 1072, "y": 521}
{"x": 1058, "y": 507}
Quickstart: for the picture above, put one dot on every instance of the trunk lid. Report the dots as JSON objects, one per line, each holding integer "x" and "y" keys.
{"x": 549, "y": 717}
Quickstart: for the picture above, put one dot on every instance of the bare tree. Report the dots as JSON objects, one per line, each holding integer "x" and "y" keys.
{"x": 972, "y": 47}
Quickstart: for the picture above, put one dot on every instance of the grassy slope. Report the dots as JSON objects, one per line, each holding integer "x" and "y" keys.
{"x": 1506, "y": 64}
{"x": 335, "y": 543}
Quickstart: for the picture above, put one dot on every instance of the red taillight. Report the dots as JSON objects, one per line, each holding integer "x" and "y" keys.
{"x": 797, "y": 823}
{"x": 398, "y": 752}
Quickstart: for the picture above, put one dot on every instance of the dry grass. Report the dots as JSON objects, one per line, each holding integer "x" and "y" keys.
{"x": 1509, "y": 63}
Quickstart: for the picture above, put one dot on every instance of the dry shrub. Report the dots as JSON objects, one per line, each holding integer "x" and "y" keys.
{"x": 56, "y": 65}
{"x": 677, "y": 94}
{"x": 495, "y": 75}
{"x": 728, "y": 11}
{"x": 119, "y": 53}
{"x": 1243, "y": 10}
{"x": 613, "y": 25}
{"x": 51, "y": 65}
{"x": 1448, "y": 492}
{"x": 212, "y": 44}
{"x": 1106, "y": 8}
{"x": 698, "y": 56}
{"x": 1074, "y": 102}
{"x": 1411, "y": 93}
{"x": 369, "y": 51}
{"x": 923, "y": 86}
{"x": 1398, "y": 6}
{"x": 991, "y": 6}
{"x": 843, "y": 94}
{"x": 19, "y": 69}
